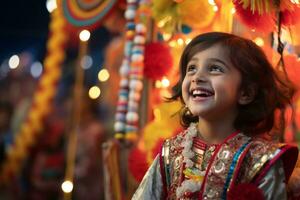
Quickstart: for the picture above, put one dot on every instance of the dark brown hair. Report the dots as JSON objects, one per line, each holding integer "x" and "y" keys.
{"x": 272, "y": 91}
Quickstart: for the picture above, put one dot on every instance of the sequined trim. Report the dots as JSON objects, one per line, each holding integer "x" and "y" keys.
{"x": 232, "y": 168}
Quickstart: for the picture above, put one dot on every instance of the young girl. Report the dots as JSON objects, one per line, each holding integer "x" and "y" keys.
{"x": 230, "y": 94}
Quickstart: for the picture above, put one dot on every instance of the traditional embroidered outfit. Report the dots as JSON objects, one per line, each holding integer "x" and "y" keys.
{"x": 188, "y": 168}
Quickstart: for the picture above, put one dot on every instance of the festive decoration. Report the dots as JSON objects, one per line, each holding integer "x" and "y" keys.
{"x": 111, "y": 164}
{"x": 120, "y": 117}
{"x": 261, "y": 15}
{"x": 131, "y": 71}
{"x": 165, "y": 125}
{"x": 172, "y": 16}
{"x": 264, "y": 22}
{"x": 291, "y": 16}
{"x": 87, "y": 13}
{"x": 42, "y": 98}
{"x": 137, "y": 164}
{"x": 158, "y": 60}
{"x": 258, "y": 6}
{"x": 190, "y": 15}
{"x": 245, "y": 191}
{"x": 292, "y": 66}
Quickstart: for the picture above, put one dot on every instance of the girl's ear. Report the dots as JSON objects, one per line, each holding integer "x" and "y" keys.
{"x": 247, "y": 96}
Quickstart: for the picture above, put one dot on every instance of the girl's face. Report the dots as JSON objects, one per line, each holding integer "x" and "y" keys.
{"x": 211, "y": 85}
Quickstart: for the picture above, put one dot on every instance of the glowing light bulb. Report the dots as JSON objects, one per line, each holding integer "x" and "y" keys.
{"x": 158, "y": 84}
{"x": 172, "y": 43}
{"x": 67, "y": 186}
{"x": 259, "y": 41}
{"x": 84, "y": 35}
{"x": 215, "y": 8}
{"x": 103, "y": 75}
{"x": 86, "y": 62}
{"x": 36, "y": 69}
{"x": 233, "y": 10}
{"x": 14, "y": 62}
{"x": 165, "y": 82}
{"x": 51, "y": 5}
{"x": 180, "y": 41}
{"x": 94, "y": 92}
{"x": 212, "y": 2}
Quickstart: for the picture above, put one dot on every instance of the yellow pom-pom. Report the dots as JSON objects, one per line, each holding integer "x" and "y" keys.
{"x": 196, "y": 13}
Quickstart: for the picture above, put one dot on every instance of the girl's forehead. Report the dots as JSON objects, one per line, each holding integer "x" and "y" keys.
{"x": 214, "y": 51}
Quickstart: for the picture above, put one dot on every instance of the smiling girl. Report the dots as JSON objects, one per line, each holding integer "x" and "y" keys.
{"x": 230, "y": 94}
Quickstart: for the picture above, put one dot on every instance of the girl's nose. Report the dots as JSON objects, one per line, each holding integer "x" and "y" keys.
{"x": 199, "y": 78}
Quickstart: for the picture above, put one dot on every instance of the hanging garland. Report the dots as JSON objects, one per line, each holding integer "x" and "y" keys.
{"x": 42, "y": 100}
{"x": 122, "y": 104}
{"x": 87, "y": 13}
{"x": 131, "y": 72}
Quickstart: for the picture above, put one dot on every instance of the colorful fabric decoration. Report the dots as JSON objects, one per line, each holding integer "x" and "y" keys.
{"x": 262, "y": 15}
{"x": 171, "y": 16}
{"x": 87, "y": 13}
{"x": 262, "y": 22}
{"x": 291, "y": 16}
{"x": 42, "y": 99}
{"x": 258, "y": 6}
{"x": 158, "y": 60}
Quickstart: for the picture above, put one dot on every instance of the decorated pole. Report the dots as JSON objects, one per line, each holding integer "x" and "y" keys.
{"x": 42, "y": 100}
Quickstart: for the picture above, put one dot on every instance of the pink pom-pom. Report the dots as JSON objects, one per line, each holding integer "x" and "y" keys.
{"x": 158, "y": 60}
{"x": 245, "y": 191}
{"x": 261, "y": 22}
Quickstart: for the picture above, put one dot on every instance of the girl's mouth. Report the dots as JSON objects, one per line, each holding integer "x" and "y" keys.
{"x": 201, "y": 93}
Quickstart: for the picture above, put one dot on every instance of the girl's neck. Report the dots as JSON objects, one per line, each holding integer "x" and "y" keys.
{"x": 215, "y": 132}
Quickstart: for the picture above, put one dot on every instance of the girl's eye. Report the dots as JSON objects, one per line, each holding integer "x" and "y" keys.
{"x": 216, "y": 68}
{"x": 190, "y": 68}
